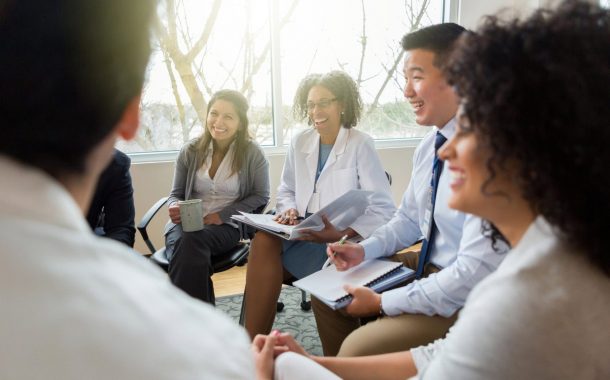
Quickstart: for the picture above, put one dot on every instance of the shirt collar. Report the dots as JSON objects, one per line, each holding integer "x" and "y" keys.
{"x": 448, "y": 130}
{"x": 28, "y": 193}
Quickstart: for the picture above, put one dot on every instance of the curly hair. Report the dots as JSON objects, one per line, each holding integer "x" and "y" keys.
{"x": 537, "y": 92}
{"x": 341, "y": 85}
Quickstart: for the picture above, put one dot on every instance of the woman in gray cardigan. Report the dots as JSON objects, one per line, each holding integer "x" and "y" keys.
{"x": 229, "y": 173}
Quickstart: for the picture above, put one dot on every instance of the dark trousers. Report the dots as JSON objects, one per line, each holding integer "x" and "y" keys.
{"x": 190, "y": 257}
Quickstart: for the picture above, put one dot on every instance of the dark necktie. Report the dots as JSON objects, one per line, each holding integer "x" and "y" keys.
{"x": 437, "y": 168}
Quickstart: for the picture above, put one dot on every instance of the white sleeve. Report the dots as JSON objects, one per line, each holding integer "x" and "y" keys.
{"x": 444, "y": 292}
{"x": 508, "y": 331}
{"x": 400, "y": 232}
{"x": 423, "y": 355}
{"x": 371, "y": 176}
{"x": 285, "y": 198}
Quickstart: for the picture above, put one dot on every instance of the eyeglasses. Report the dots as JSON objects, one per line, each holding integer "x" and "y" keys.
{"x": 321, "y": 104}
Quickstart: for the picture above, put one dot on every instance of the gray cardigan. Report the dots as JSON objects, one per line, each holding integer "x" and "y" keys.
{"x": 253, "y": 180}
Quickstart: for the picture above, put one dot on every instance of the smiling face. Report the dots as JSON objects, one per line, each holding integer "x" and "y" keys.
{"x": 324, "y": 111}
{"x": 223, "y": 122}
{"x": 432, "y": 99}
{"x": 472, "y": 190}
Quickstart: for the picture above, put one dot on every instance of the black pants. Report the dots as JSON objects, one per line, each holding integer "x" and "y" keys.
{"x": 190, "y": 257}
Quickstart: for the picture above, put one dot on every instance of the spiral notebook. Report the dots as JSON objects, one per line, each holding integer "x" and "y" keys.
{"x": 379, "y": 275}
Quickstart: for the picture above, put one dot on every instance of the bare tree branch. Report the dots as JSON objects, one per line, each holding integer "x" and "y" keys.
{"x": 363, "y": 40}
{"x": 414, "y": 26}
{"x": 171, "y": 20}
{"x": 205, "y": 35}
{"x": 247, "y": 84}
{"x": 389, "y": 76}
{"x": 179, "y": 105}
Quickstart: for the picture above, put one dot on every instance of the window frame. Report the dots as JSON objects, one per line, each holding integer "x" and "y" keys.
{"x": 450, "y": 13}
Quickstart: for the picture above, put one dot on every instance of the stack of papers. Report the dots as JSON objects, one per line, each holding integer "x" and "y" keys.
{"x": 342, "y": 212}
{"x": 265, "y": 222}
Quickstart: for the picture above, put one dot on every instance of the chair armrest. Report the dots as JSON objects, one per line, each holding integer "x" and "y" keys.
{"x": 146, "y": 220}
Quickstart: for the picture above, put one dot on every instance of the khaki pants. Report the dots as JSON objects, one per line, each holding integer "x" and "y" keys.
{"x": 343, "y": 335}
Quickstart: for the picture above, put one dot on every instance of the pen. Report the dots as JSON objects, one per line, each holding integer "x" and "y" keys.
{"x": 329, "y": 260}
{"x": 340, "y": 242}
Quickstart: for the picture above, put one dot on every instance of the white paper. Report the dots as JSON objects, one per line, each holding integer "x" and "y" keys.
{"x": 328, "y": 283}
{"x": 342, "y": 212}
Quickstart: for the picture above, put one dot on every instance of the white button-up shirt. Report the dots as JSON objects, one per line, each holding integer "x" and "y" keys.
{"x": 78, "y": 306}
{"x": 222, "y": 190}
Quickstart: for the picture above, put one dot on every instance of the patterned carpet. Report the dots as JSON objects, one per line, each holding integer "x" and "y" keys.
{"x": 292, "y": 319}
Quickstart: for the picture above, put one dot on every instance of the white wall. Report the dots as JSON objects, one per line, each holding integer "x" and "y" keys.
{"x": 153, "y": 180}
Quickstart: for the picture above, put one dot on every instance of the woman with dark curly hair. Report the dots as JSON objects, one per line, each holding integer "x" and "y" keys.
{"x": 530, "y": 156}
{"x": 322, "y": 163}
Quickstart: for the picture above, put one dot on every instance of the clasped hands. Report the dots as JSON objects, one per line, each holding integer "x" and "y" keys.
{"x": 266, "y": 348}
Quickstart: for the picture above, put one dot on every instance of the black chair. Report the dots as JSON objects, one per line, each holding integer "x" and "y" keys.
{"x": 236, "y": 256}
{"x": 305, "y": 304}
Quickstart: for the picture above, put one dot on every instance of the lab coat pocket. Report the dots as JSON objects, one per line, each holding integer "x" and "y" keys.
{"x": 344, "y": 180}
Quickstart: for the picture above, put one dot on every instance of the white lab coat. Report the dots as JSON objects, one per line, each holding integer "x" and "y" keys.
{"x": 353, "y": 163}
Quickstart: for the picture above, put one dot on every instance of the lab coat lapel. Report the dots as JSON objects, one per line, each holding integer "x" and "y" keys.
{"x": 337, "y": 151}
{"x": 310, "y": 150}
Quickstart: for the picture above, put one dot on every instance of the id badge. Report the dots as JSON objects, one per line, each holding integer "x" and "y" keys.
{"x": 314, "y": 203}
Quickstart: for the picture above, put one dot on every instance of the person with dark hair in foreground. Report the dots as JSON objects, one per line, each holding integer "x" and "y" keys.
{"x": 530, "y": 156}
{"x": 454, "y": 257}
{"x": 75, "y": 305}
{"x": 112, "y": 211}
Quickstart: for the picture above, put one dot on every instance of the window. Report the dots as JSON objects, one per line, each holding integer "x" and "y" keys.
{"x": 264, "y": 48}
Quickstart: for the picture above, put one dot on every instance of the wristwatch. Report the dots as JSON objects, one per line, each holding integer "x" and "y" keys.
{"x": 381, "y": 312}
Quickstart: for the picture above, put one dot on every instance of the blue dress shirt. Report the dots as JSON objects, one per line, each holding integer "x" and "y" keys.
{"x": 464, "y": 255}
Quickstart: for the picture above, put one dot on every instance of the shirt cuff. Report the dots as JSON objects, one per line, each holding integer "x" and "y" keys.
{"x": 420, "y": 358}
{"x": 393, "y": 301}
{"x": 372, "y": 248}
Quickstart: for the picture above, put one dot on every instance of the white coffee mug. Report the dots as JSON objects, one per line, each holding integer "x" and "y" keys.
{"x": 191, "y": 215}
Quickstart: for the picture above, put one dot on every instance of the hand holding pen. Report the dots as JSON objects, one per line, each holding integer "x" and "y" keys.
{"x": 345, "y": 254}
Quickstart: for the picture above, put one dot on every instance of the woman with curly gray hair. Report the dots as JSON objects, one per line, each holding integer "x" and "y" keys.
{"x": 322, "y": 163}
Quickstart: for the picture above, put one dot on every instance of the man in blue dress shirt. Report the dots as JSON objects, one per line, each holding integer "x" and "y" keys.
{"x": 457, "y": 255}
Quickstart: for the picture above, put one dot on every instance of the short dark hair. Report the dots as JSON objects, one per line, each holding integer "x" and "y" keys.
{"x": 438, "y": 39}
{"x": 242, "y": 139}
{"x": 341, "y": 85}
{"x": 68, "y": 70}
{"x": 536, "y": 92}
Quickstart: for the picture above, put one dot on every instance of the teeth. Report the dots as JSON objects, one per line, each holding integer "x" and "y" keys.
{"x": 320, "y": 121}
{"x": 417, "y": 105}
{"x": 457, "y": 175}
